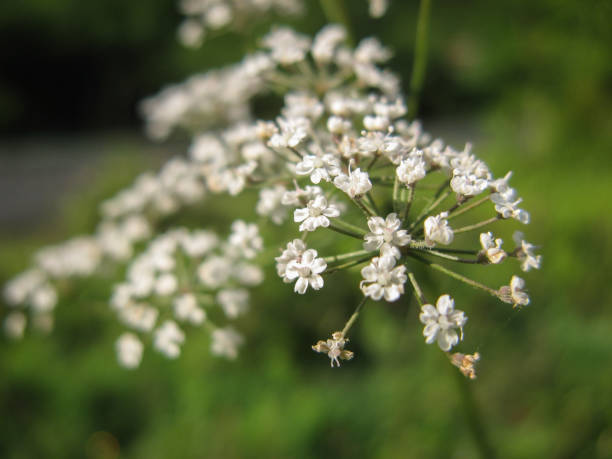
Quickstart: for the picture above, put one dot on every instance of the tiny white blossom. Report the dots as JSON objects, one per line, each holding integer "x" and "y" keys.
{"x": 492, "y": 248}
{"x": 381, "y": 278}
{"x": 234, "y": 302}
{"x": 215, "y": 271}
{"x": 517, "y": 290}
{"x": 168, "y": 338}
{"x": 139, "y": 317}
{"x": 438, "y": 230}
{"x": 271, "y": 204}
{"x": 293, "y": 252}
{"x": 129, "y": 350}
{"x": 319, "y": 167}
{"x": 355, "y": 184}
{"x": 245, "y": 239}
{"x": 326, "y": 42}
{"x": 506, "y": 204}
{"x": 412, "y": 168}
{"x": 524, "y": 252}
{"x": 307, "y": 270}
{"x": 186, "y": 309}
{"x": 225, "y": 342}
{"x": 386, "y": 235}
{"x": 293, "y": 131}
{"x": 166, "y": 284}
{"x": 286, "y": 46}
{"x": 316, "y": 213}
{"x": 441, "y": 321}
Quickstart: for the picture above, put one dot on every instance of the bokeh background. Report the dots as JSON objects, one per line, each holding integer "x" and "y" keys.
{"x": 528, "y": 82}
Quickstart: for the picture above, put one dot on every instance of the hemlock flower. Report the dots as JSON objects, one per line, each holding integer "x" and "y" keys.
{"x": 316, "y": 213}
{"x": 381, "y": 278}
{"x": 307, "y": 270}
{"x": 129, "y": 350}
{"x": 168, "y": 338}
{"x": 524, "y": 252}
{"x": 225, "y": 342}
{"x": 386, "y": 235}
{"x": 438, "y": 230}
{"x": 441, "y": 322}
{"x": 412, "y": 168}
{"x": 319, "y": 167}
{"x": 514, "y": 293}
{"x": 355, "y": 183}
{"x": 465, "y": 363}
{"x": 186, "y": 309}
{"x": 334, "y": 348}
{"x": 491, "y": 248}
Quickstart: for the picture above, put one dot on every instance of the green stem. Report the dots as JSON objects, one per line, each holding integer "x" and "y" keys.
{"x": 346, "y": 232}
{"x": 428, "y": 209}
{"x": 406, "y": 198}
{"x": 420, "y": 58}
{"x": 418, "y": 293}
{"x": 346, "y": 256}
{"x": 447, "y": 256}
{"x": 354, "y": 316}
{"x": 349, "y": 264}
{"x": 476, "y": 225}
{"x": 466, "y": 208}
{"x": 339, "y": 223}
{"x": 366, "y": 209}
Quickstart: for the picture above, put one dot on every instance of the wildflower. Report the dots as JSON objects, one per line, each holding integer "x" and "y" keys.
{"x": 245, "y": 239}
{"x": 491, "y": 248}
{"x": 286, "y": 46}
{"x": 438, "y": 230}
{"x": 334, "y": 348}
{"x": 166, "y": 284}
{"x": 326, "y": 42}
{"x": 524, "y": 252}
{"x": 293, "y": 131}
{"x": 293, "y": 252}
{"x": 386, "y": 235}
{"x": 186, "y": 309}
{"x": 233, "y": 301}
{"x": 271, "y": 204}
{"x": 411, "y": 169}
{"x": 168, "y": 338}
{"x": 382, "y": 279}
{"x": 14, "y": 325}
{"x": 355, "y": 183}
{"x": 316, "y": 213}
{"x": 465, "y": 363}
{"x": 215, "y": 271}
{"x": 225, "y": 342}
{"x": 307, "y": 270}
{"x": 129, "y": 350}
{"x": 441, "y": 321}
{"x": 506, "y": 204}
{"x": 319, "y": 167}
{"x": 514, "y": 293}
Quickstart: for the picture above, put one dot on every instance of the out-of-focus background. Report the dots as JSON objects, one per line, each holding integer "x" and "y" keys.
{"x": 528, "y": 82}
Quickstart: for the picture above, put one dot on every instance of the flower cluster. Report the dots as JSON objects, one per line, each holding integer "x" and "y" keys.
{"x": 179, "y": 278}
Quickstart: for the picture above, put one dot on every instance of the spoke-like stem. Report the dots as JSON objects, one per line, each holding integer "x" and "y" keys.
{"x": 406, "y": 199}
{"x": 396, "y": 195}
{"x": 339, "y": 223}
{"x": 418, "y": 293}
{"x": 447, "y": 256}
{"x": 347, "y": 265}
{"x": 365, "y": 208}
{"x": 354, "y": 316}
{"x": 346, "y": 232}
{"x": 420, "y": 58}
{"x": 429, "y": 208}
{"x": 463, "y": 209}
{"x": 455, "y": 275}
{"x": 476, "y": 225}
{"x": 347, "y": 256}
{"x": 373, "y": 205}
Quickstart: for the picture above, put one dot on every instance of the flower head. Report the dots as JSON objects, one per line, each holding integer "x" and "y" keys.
{"x": 307, "y": 270}
{"x": 386, "y": 235}
{"x": 381, "y": 278}
{"x": 441, "y": 322}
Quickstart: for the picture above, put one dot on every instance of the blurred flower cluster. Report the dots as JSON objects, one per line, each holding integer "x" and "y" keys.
{"x": 342, "y": 157}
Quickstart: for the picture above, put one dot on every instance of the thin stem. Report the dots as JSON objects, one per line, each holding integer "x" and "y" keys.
{"x": 420, "y": 58}
{"x": 349, "y": 227}
{"x": 466, "y": 208}
{"x": 406, "y": 198}
{"x": 418, "y": 293}
{"x": 349, "y": 264}
{"x": 428, "y": 209}
{"x": 476, "y": 225}
{"x": 370, "y": 199}
{"x": 346, "y": 232}
{"x": 454, "y": 275}
{"x": 346, "y": 256}
{"x": 364, "y": 207}
{"x": 447, "y": 256}
{"x": 396, "y": 195}
{"x": 354, "y": 316}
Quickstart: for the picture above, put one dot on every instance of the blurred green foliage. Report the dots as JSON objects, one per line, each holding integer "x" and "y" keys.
{"x": 531, "y": 84}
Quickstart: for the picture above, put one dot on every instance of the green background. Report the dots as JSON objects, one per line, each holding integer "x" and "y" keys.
{"x": 529, "y": 83}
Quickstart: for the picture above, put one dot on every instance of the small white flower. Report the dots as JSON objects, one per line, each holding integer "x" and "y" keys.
{"x": 441, "y": 322}
{"x": 378, "y": 8}
{"x": 300, "y": 196}
{"x": 334, "y": 348}
{"x": 307, "y": 270}
{"x": 355, "y": 184}
{"x": 524, "y": 252}
{"x": 168, "y": 338}
{"x": 506, "y": 204}
{"x": 438, "y": 230}
{"x": 248, "y": 274}
{"x": 386, "y": 235}
{"x": 293, "y": 252}
{"x": 381, "y": 278}
{"x": 44, "y": 298}
{"x": 225, "y": 342}
{"x": 271, "y": 205}
{"x": 215, "y": 271}
{"x": 293, "y": 131}
{"x": 14, "y": 325}
{"x": 316, "y": 213}
{"x": 492, "y": 248}
{"x": 517, "y": 290}
{"x": 166, "y": 284}
{"x": 319, "y": 167}
{"x": 234, "y": 302}
{"x": 199, "y": 243}
{"x": 186, "y": 309}
{"x": 338, "y": 125}
{"x": 376, "y": 123}
{"x": 286, "y": 46}
{"x": 139, "y": 317}
{"x": 326, "y": 42}
{"x": 245, "y": 239}
{"x": 412, "y": 168}
{"x": 129, "y": 350}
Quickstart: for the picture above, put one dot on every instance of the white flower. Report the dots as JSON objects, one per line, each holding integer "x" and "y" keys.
{"x": 381, "y": 278}
{"x": 44, "y": 298}
{"x": 326, "y": 42}
{"x": 129, "y": 350}
{"x": 492, "y": 248}
{"x": 319, "y": 167}
{"x": 355, "y": 184}
{"x": 378, "y": 8}
{"x": 506, "y": 204}
{"x": 168, "y": 338}
{"x": 441, "y": 322}
{"x": 245, "y": 239}
{"x": 199, "y": 243}
{"x": 234, "y": 302}
{"x": 14, "y": 325}
{"x": 139, "y": 317}
{"x": 334, "y": 348}
{"x": 302, "y": 105}
{"x": 316, "y": 213}
{"x": 412, "y": 168}
{"x": 338, "y": 125}
{"x": 468, "y": 184}
{"x": 517, "y": 291}
{"x": 186, "y": 309}
{"x": 293, "y": 131}
{"x": 386, "y": 235}
{"x": 293, "y": 252}
{"x": 301, "y": 196}
{"x": 524, "y": 252}
{"x": 286, "y": 46}
{"x": 225, "y": 342}
{"x": 307, "y": 270}
{"x": 271, "y": 205}
{"x": 248, "y": 274}
{"x": 438, "y": 230}
{"x": 376, "y": 122}
{"x": 215, "y": 271}
{"x": 166, "y": 284}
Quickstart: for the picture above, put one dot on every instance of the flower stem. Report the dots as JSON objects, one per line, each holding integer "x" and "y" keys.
{"x": 447, "y": 256}
{"x": 420, "y": 58}
{"x": 428, "y": 209}
{"x": 341, "y": 224}
{"x": 349, "y": 264}
{"x": 367, "y": 210}
{"x": 455, "y": 275}
{"x": 476, "y": 225}
{"x": 464, "y": 209}
{"x": 406, "y": 199}
{"x": 418, "y": 293}
{"x": 346, "y": 256}
{"x": 354, "y": 316}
